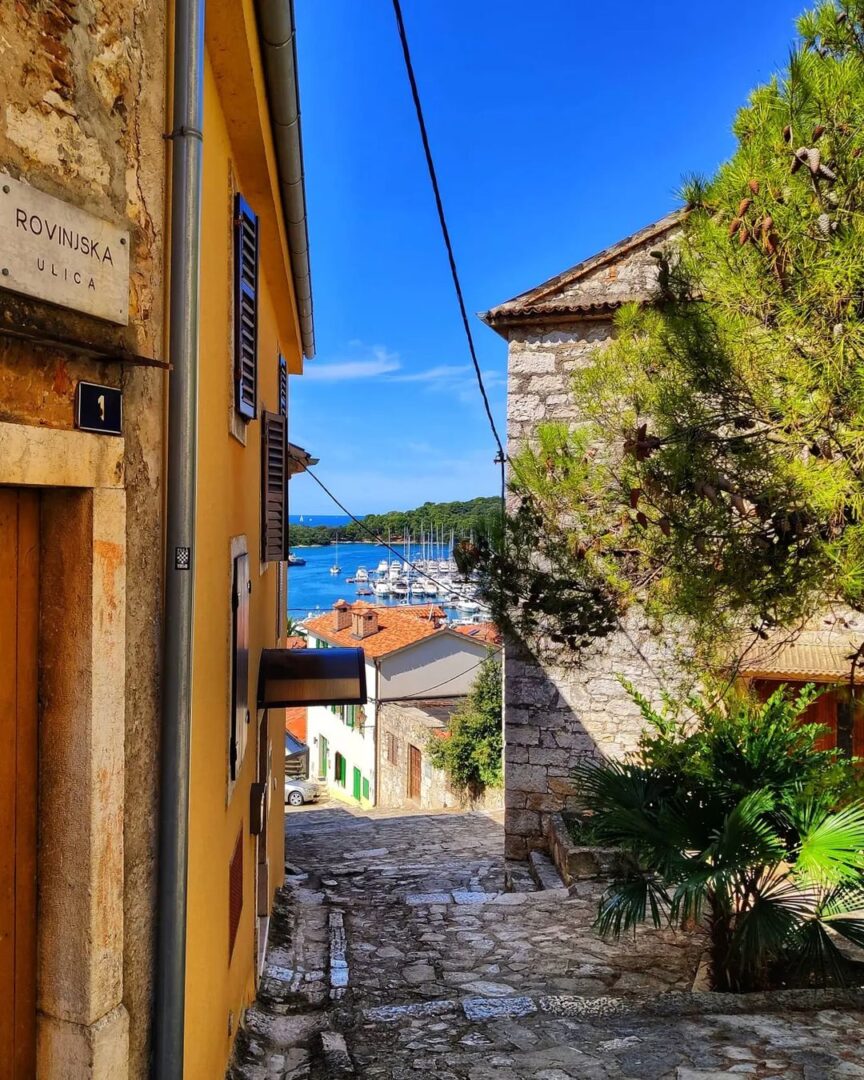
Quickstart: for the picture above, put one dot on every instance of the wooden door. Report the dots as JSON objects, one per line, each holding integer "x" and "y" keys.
{"x": 413, "y": 773}
{"x": 19, "y": 608}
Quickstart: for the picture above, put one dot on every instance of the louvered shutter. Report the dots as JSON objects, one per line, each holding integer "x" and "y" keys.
{"x": 235, "y": 893}
{"x": 283, "y": 411}
{"x": 283, "y": 386}
{"x": 274, "y": 477}
{"x": 239, "y": 662}
{"x": 245, "y": 309}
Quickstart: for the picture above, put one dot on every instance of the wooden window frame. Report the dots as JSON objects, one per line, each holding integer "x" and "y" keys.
{"x": 392, "y": 749}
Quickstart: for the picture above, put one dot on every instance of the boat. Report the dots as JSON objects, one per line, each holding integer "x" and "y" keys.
{"x": 362, "y": 574}
{"x": 382, "y": 588}
{"x": 364, "y": 590}
{"x": 336, "y": 568}
{"x": 295, "y": 560}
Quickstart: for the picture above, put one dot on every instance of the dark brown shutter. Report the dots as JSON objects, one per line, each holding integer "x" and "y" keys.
{"x": 283, "y": 386}
{"x": 245, "y": 309}
{"x": 239, "y": 662}
{"x": 235, "y": 893}
{"x": 274, "y": 477}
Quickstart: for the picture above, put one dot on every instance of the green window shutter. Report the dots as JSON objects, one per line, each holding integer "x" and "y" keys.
{"x": 245, "y": 309}
{"x": 365, "y": 787}
{"x": 356, "y": 789}
{"x": 349, "y": 715}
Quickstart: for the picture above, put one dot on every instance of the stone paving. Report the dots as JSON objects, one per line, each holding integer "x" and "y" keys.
{"x": 397, "y": 953}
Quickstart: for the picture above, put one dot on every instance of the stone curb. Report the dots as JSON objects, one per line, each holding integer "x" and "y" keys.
{"x": 675, "y": 1003}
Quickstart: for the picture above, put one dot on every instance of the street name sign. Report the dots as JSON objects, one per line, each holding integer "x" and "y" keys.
{"x": 54, "y": 251}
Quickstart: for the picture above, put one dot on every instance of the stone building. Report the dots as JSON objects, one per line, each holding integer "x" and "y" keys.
{"x": 559, "y": 708}
{"x": 406, "y": 775}
{"x": 89, "y": 366}
{"x": 82, "y": 100}
{"x": 555, "y": 711}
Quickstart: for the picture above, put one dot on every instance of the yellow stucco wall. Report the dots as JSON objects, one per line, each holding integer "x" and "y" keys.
{"x": 229, "y": 489}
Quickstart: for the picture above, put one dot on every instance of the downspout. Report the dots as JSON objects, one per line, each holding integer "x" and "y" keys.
{"x": 181, "y": 479}
{"x": 279, "y": 55}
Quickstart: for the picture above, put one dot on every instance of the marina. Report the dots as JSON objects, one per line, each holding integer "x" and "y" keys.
{"x": 420, "y": 574}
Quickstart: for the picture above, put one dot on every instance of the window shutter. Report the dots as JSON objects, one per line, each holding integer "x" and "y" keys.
{"x": 239, "y": 662}
{"x": 283, "y": 386}
{"x": 274, "y": 478}
{"x": 235, "y": 893}
{"x": 245, "y": 309}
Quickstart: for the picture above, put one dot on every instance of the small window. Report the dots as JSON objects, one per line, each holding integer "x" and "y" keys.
{"x": 274, "y": 477}
{"x": 245, "y": 309}
{"x": 340, "y": 770}
{"x": 321, "y": 644}
{"x": 392, "y": 749}
{"x": 241, "y": 587}
{"x": 349, "y": 715}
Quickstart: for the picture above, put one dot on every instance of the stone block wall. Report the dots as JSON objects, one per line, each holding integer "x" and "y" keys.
{"x": 559, "y": 707}
{"x": 410, "y": 724}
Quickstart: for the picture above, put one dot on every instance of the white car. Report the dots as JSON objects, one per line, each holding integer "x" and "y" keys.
{"x": 299, "y": 791}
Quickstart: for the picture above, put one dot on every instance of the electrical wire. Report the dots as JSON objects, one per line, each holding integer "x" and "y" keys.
{"x": 501, "y": 457}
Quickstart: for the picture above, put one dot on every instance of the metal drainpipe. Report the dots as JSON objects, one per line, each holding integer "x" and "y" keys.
{"x": 186, "y": 140}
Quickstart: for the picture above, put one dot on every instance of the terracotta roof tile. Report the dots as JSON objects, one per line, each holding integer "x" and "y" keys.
{"x": 397, "y": 627}
{"x": 295, "y": 722}
{"x": 485, "y": 631}
{"x": 296, "y": 642}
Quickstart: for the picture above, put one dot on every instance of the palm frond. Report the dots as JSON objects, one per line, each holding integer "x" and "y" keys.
{"x": 627, "y": 903}
{"x": 831, "y": 849}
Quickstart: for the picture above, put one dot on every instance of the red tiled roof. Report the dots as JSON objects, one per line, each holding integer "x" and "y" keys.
{"x": 485, "y": 631}
{"x": 397, "y": 627}
{"x": 295, "y": 722}
{"x": 296, "y": 642}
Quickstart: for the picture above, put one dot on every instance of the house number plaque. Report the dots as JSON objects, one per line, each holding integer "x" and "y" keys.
{"x": 99, "y": 409}
{"x": 54, "y": 251}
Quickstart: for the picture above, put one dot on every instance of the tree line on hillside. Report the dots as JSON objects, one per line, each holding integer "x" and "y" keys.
{"x": 462, "y": 519}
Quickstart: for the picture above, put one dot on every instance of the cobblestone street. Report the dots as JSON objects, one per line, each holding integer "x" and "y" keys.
{"x": 395, "y": 952}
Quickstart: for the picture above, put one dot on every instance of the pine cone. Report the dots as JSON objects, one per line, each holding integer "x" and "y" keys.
{"x": 754, "y": 186}
{"x": 744, "y": 206}
{"x": 635, "y": 494}
{"x": 818, "y": 132}
{"x": 767, "y": 223}
{"x": 787, "y": 133}
{"x": 734, "y": 225}
{"x": 743, "y": 237}
{"x": 814, "y": 159}
{"x": 824, "y": 173}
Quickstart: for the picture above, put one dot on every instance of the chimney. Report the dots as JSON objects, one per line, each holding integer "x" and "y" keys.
{"x": 364, "y": 623}
{"x": 341, "y": 615}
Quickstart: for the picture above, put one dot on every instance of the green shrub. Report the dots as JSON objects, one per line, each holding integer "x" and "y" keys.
{"x": 471, "y": 754}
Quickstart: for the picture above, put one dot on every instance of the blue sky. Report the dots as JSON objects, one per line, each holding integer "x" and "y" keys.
{"x": 557, "y": 128}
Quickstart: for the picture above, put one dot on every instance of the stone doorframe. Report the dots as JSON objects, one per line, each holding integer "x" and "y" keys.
{"x": 82, "y": 1023}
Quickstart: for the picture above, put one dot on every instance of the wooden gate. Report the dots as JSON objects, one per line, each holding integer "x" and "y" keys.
{"x": 414, "y": 760}
{"x": 19, "y": 616}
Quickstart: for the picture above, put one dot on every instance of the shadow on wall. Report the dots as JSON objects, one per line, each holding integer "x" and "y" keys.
{"x": 560, "y": 712}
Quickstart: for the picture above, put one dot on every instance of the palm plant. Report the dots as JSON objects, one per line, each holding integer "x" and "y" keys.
{"x": 735, "y": 824}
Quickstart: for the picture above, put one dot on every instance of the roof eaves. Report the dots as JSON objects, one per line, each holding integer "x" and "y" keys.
{"x": 525, "y": 301}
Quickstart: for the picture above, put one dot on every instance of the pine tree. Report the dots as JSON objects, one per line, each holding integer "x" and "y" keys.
{"x": 720, "y": 472}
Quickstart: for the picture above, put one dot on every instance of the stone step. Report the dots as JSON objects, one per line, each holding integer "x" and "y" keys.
{"x": 518, "y": 878}
{"x": 546, "y": 873}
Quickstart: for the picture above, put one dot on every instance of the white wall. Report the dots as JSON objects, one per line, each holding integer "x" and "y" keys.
{"x": 445, "y": 665}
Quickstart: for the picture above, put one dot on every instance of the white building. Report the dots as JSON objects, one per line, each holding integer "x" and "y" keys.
{"x": 410, "y": 654}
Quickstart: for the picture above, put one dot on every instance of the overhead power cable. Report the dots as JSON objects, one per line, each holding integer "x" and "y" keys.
{"x": 433, "y": 176}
